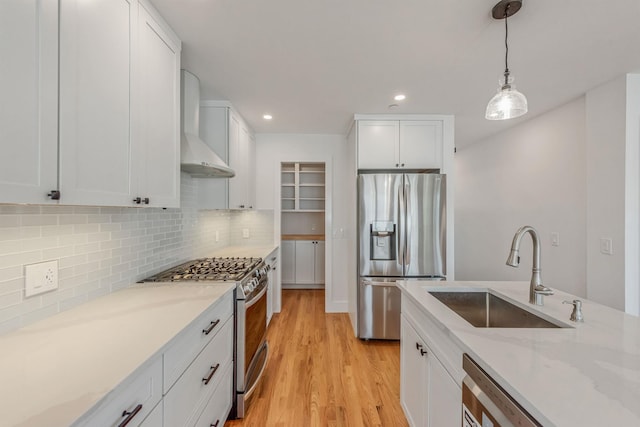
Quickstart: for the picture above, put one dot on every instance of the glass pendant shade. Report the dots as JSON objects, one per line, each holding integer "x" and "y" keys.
{"x": 508, "y": 103}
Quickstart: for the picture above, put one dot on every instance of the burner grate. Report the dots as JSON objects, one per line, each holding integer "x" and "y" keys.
{"x": 211, "y": 269}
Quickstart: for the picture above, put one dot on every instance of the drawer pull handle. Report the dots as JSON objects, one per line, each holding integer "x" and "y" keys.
{"x": 215, "y": 424}
{"x": 210, "y": 328}
{"x": 130, "y": 415}
{"x": 213, "y": 371}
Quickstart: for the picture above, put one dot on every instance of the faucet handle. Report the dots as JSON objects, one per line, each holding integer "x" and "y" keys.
{"x": 543, "y": 290}
{"x": 576, "y": 314}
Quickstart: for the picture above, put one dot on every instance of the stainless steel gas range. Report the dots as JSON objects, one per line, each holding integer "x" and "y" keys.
{"x": 251, "y": 348}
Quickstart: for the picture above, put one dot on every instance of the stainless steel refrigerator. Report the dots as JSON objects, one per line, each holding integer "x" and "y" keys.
{"x": 401, "y": 234}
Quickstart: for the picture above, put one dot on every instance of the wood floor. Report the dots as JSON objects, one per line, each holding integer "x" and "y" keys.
{"x": 319, "y": 374}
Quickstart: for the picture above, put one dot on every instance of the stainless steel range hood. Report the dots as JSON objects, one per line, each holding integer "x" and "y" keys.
{"x": 196, "y": 157}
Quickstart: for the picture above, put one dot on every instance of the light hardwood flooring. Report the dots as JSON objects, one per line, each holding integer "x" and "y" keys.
{"x": 319, "y": 374}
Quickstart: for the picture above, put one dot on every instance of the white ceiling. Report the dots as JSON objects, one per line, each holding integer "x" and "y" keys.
{"x": 313, "y": 64}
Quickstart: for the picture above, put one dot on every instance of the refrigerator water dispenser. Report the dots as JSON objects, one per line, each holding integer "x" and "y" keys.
{"x": 383, "y": 241}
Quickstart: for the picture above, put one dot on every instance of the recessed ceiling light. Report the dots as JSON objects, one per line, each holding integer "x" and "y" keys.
{"x": 267, "y": 117}
{"x": 400, "y": 97}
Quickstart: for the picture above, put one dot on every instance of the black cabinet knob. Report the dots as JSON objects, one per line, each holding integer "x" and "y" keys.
{"x": 54, "y": 195}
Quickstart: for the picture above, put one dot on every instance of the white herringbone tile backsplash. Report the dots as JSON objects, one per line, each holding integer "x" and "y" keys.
{"x": 100, "y": 250}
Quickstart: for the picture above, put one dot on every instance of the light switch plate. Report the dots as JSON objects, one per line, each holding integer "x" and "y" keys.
{"x": 245, "y": 233}
{"x": 41, "y": 277}
{"x": 555, "y": 238}
{"x": 606, "y": 246}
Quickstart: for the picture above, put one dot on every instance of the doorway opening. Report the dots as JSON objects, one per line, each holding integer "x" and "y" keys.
{"x": 302, "y": 227}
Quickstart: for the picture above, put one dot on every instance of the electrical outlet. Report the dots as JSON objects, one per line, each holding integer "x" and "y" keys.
{"x": 41, "y": 277}
{"x": 313, "y": 227}
{"x": 245, "y": 233}
{"x": 555, "y": 238}
{"x": 217, "y": 236}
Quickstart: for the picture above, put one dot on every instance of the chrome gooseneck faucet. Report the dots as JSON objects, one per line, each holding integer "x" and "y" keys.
{"x": 536, "y": 290}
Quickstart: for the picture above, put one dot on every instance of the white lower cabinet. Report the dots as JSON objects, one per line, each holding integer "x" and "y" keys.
{"x": 414, "y": 375}
{"x": 303, "y": 262}
{"x": 429, "y": 395}
{"x": 133, "y": 400}
{"x": 272, "y": 262}
{"x": 196, "y": 370}
{"x": 215, "y": 413}
{"x": 185, "y": 401}
{"x": 288, "y": 261}
{"x": 155, "y": 417}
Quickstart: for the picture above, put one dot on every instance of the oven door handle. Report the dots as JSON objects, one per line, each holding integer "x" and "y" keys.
{"x": 255, "y": 299}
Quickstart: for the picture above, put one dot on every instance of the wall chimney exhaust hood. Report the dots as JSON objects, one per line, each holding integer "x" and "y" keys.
{"x": 196, "y": 157}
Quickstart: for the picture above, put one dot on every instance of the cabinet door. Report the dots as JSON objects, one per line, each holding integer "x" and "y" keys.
{"x": 214, "y": 125}
{"x": 288, "y": 274}
{"x": 444, "y": 396}
{"x": 157, "y": 140}
{"x": 155, "y": 417}
{"x": 95, "y": 102}
{"x": 273, "y": 277}
{"x": 237, "y": 184}
{"x": 319, "y": 263}
{"x": 414, "y": 376}
{"x": 378, "y": 144}
{"x": 305, "y": 262}
{"x": 251, "y": 171}
{"x": 29, "y": 101}
{"x": 421, "y": 144}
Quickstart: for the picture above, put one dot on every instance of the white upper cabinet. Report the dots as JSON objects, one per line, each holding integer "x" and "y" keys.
{"x": 420, "y": 144}
{"x": 96, "y": 41}
{"x": 222, "y": 129}
{"x": 29, "y": 101}
{"x": 157, "y": 160}
{"x": 242, "y": 161}
{"x": 378, "y": 144}
{"x": 90, "y": 104}
{"x": 400, "y": 144}
{"x": 119, "y": 106}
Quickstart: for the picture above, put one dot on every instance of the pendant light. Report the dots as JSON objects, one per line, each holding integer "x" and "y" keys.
{"x": 508, "y": 103}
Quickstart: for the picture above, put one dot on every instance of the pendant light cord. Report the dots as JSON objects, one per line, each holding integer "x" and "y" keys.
{"x": 506, "y": 43}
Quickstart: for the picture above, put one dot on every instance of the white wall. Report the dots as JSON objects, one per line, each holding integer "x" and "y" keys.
{"x": 532, "y": 174}
{"x": 271, "y": 151}
{"x": 605, "y": 182}
{"x": 101, "y": 250}
{"x": 613, "y": 182}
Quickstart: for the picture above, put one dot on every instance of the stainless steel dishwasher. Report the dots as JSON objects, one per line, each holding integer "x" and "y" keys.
{"x": 486, "y": 404}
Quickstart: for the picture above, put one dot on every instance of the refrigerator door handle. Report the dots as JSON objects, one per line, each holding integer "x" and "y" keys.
{"x": 408, "y": 225}
{"x": 402, "y": 212}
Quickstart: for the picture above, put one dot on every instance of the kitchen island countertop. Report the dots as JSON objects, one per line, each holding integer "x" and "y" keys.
{"x": 57, "y": 369}
{"x": 587, "y": 374}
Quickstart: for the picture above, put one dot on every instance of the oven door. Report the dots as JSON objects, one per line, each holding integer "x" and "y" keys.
{"x": 251, "y": 346}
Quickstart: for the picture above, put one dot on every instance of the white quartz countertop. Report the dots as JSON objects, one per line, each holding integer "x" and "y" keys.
{"x": 587, "y": 374}
{"x": 245, "y": 251}
{"x": 54, "y": 371}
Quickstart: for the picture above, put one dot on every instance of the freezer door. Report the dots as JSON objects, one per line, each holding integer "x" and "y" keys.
{"x": 379, "y": 309}
{"x": 380, "y": 205}
{"x": 425, "y": 225}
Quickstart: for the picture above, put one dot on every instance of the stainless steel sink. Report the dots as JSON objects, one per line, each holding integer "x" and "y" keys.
{"x": 485, "y": 310}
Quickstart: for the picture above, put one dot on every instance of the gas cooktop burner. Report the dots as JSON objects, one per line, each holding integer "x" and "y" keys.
{"x": 213, "y": 269}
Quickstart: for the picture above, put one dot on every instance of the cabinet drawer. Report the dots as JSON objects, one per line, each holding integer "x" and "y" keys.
{"x": 155, "y": 417}
{"x": 194, "y": 338}
{"x": 141, "y": 394}
{"x": 187, "y": 397}
{"x": 218, "y": 407}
